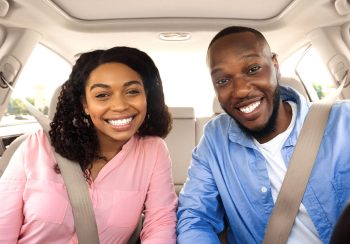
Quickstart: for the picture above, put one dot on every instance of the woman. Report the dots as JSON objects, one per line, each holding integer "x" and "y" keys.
{"x": 109, "y": 119}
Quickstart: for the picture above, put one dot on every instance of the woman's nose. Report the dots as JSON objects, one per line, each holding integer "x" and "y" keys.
{"x": 119, "y": 103}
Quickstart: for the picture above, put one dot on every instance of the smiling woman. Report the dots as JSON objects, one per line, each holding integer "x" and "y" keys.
{"x": 110, "y": 119}
{"x": 115, "y": 101}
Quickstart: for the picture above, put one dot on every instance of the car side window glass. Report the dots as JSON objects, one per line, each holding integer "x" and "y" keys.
{"x": 307, "y": 65}
{"x": 41, "y": 75}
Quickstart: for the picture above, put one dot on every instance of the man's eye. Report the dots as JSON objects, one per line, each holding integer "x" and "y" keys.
{"x": 254, "y": 69}
{"x": 221, "y": 82}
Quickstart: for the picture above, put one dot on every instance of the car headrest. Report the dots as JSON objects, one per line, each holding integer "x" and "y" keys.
{"x": 53, "y": 102}
{"x": 217, "y": 109}
{"x": 294, "y": 83}
{"x": 182, "y": 112}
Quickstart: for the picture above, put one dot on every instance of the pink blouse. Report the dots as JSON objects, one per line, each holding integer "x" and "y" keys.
{"x": 34, "y": 206}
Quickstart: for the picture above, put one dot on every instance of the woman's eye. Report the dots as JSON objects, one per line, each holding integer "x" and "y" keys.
{"x": 254, "y": 69}
{"x": 133, "y": 91}
{"x": 101, "y": 95}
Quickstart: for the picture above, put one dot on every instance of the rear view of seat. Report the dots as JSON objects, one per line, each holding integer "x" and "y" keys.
{"x": 296, "y": 84}
{"x": 201, "y": 121}
{"x": 181, "y": 141}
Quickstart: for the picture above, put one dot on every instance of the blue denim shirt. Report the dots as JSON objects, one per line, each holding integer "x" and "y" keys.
{"x": 228, "y": 180}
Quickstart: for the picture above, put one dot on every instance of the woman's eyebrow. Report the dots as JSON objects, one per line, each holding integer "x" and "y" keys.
{"x": 101, "y": 85}
{"x": 128, "y": 83}
{"x": 133, "y": 82}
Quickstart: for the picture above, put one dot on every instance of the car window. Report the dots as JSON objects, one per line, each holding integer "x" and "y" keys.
{"x": 307, "y": 65}
{"x": 42, "y": 74}
{"x": 186, "y": 81}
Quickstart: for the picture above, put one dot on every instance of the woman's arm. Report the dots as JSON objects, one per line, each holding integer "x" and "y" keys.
{"x": 161, "y": 202}
{"x": 12, "y": 185}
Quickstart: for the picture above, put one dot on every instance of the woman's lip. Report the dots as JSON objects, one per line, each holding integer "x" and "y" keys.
{"x": 120, "y": 127}
{"x": 121, "y": 117}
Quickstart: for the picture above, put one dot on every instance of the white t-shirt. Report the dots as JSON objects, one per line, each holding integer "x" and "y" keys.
{"x": 303, "y": 230}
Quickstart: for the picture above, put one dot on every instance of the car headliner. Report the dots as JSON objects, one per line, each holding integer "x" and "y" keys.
{"x": 71, "y": 27}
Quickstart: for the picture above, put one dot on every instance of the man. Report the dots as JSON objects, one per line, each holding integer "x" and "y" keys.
{"x": 238, "y": 167}
{"x": 341, "y": 234}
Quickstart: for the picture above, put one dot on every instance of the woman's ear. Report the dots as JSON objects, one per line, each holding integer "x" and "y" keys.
{"x": 85, "y": 107}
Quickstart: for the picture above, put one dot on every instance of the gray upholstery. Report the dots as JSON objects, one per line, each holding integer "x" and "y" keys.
{"x": 53, "y": 102}
{"x": 181, "y": 141}
{"x": 296, "y": 84}
{"x": 10, "y": 150}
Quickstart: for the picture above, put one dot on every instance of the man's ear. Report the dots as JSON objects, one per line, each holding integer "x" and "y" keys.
{"x": 276, "y": 65}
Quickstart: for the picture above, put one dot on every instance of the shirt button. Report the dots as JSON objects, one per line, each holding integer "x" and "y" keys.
{"x": 263, "y": 189}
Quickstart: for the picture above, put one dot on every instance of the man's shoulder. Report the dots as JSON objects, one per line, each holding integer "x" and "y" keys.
{"x": 219, "y": 127}
{"x": 341, "y": 108}
{"x": 220, "y": 121}
{"x": 340, "y": 114}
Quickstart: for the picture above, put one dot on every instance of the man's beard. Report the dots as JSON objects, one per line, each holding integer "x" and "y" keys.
{"x": 270, "y": 127}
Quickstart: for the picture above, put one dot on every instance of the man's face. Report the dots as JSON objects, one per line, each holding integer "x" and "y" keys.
{"x": 244, "y": 75}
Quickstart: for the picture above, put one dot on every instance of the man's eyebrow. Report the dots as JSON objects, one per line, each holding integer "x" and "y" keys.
{"x": 251, "y": 55}
{"x": 244, "y": 57}
{"x": 214, "y": 71}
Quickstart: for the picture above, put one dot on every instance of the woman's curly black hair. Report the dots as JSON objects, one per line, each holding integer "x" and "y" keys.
{"x": 72, "y": 132}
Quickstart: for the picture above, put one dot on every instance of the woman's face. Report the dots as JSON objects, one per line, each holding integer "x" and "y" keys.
{"x": 115, "y": 101}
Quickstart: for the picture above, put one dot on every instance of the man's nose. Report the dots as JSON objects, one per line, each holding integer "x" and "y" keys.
{"x": 240, "y": 87}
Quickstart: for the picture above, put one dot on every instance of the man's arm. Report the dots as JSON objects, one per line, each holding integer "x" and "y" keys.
{"x": 200, "y": 213}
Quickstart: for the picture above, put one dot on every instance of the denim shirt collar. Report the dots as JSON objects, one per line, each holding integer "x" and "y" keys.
{"x": 236, "y": 135}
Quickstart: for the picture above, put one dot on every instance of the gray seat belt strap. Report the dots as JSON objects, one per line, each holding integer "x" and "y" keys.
{"x": 78, "y": 193}
{"x": 299, "y": 170}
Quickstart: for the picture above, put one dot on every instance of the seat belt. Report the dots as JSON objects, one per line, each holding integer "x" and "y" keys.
{"x": 78, "y": 193}
{"x": 299, "y": 170}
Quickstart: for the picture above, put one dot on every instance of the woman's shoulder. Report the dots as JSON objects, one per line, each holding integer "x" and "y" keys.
{"x": 151, "y": 140}
{"x": 38, "y": 139}
{"x": 34, "y": 153}
{"x": 153, "y": 143}
{"x": 35, "y": 144}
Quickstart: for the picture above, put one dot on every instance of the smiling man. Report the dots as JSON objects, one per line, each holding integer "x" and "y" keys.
{"x": 238, "y": 167}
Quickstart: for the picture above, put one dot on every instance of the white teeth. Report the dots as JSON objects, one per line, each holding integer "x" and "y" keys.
{"x": 250, "y": 108}
{"x": 119, "y": 122}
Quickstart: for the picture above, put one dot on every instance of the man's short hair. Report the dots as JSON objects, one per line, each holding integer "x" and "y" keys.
{"x": 237, "y": 29}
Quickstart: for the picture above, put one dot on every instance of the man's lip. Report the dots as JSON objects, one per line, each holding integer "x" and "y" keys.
{"x": 250, "y": 108}
{"x": 247, "y": 102}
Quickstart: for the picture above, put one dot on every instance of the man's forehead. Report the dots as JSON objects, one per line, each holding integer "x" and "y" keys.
{"x": 245, "y": 44}
{"x": 239, "y": 41}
